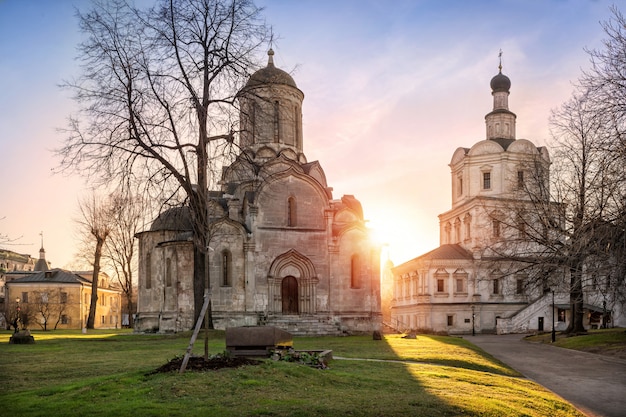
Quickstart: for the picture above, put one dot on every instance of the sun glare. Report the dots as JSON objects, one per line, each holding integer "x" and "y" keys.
{"x": 394, "y": 237}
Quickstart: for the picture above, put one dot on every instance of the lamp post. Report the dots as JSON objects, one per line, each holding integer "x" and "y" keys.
{"x": 473, "y": 317}
{"x": 553, "y": 330}
{"x": 17, "y": 315}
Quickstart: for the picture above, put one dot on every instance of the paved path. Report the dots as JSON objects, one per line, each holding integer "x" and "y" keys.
{"x": 595, "y": 384}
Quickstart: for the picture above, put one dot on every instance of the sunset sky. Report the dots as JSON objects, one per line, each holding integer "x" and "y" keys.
{"x": 391, "y": 88}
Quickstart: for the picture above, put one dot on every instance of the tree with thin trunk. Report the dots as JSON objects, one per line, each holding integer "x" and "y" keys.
{"x": 97, "y": 216}
{"x": 157, "y": 96}
{"x": 120, "y": 247}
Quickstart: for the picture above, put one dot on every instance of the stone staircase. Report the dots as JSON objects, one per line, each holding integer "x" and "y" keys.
{"x": 524, "y": 320}
{"x": 305, "y": 325}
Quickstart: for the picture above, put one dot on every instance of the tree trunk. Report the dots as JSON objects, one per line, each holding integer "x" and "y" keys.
{"x": 94, "y": 283}
{"x": 576, "y": 302}
{"x": 129, "y": 305}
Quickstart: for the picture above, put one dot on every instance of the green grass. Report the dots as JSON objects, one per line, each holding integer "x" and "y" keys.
{"x": 604, "y": 341}
{"x": 108, "y": 373}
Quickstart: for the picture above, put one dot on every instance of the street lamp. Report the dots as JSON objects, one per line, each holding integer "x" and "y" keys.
{"x": 17, "y": 315}
{"x": 473, "y": 317}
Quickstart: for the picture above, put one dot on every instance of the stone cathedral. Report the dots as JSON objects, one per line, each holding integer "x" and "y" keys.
{"x": 283, "y": 251}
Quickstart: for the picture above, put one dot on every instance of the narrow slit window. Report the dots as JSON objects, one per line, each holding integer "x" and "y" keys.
{"x": 226, "y": 268}
{"x": 291, "y": 212}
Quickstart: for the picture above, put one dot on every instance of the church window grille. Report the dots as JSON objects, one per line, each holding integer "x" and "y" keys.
{"x": 496, "y": 286}
{"x": 495, "y": 226}
{"x": 63, "y": 298}
{"x": 291, "y": 212}
{"x": 460, "y": 285}
{"x": 520, "y": 180}
{"x": 44, "y": 297}
{"x": 440, "y": 285}
{"x": 226, "y": 267}
{"x": 24, "y": 297}
{"x": 103, "y": 301}
{"x": 65, "y": 319}
{"x": 355, "y": 272}
{"x": 102, "y": 320}
{"x": 457, "y": 231}
{"x": 450, "y": 320}
{"x": 519, "y": 288}
{"x": 168, "y": 272}
{"x": 486, "y": 180}
{"x": 459, "y": 186}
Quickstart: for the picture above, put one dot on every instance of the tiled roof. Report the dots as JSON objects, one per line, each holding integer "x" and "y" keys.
{"x": 54, "y": 275}
{"x": 446, "y": 252}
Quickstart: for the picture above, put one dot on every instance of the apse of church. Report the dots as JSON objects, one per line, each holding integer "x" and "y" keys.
{"x": 283, "y": 251}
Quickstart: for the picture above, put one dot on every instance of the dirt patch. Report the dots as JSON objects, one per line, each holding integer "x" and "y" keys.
{"x": 614, "y": 351}
{"x": 197, "y": 363}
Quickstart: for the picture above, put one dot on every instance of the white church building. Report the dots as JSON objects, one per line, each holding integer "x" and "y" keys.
{"x": 458, "y": 288}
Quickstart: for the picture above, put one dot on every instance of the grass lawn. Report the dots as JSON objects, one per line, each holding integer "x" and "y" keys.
{"x": 611, "y": 342}
{"x": 108, "y": 373}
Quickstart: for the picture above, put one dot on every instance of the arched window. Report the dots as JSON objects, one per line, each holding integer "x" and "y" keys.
{"x": 168, "y": 272}
{"x": 226, "y": 268}
{"x": 355, "y": 272}
{"x": 276, "y": 122}
{"x": 457, "y": 230}
{"x": 291, "y": 212}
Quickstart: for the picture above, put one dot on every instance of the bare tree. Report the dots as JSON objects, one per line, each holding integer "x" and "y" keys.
{"x": 604, "y": 83}
{"x": 97, "y": 217}
{"x": 49, "y": 306}
{"x": 43, "y": 307}
{"x": 120, "y": 247}
{"x": 157, "y": 95}
{"x": 559, "y": 234}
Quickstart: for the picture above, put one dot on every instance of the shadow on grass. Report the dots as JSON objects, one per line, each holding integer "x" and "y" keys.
{"x": 95, "y": 378}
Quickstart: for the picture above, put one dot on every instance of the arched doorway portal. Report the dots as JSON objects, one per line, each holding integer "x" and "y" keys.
{"x": 289, "y": 295}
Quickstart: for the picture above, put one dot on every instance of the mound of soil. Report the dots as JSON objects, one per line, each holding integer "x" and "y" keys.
{"x": 197, "y": 363}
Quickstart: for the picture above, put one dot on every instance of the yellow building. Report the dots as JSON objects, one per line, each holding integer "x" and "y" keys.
{"x": 60, "y": 299}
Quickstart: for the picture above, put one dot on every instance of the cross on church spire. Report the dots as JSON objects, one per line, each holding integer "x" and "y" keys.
{"x": 500, "y": 58}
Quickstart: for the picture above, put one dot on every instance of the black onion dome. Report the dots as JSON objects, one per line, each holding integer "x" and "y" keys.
{"x": 270, "y": 75}
{"x": 500, "y": 83}
{"x": 177, "y": 218}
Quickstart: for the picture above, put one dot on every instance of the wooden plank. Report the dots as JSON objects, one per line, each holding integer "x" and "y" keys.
{"x": 205, "y": 306}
